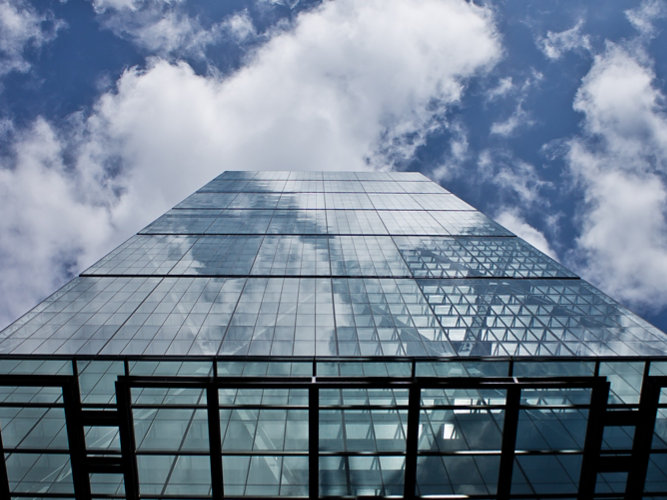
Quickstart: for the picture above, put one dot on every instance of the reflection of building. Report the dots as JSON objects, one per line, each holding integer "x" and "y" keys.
{"x": 323, "y": 334}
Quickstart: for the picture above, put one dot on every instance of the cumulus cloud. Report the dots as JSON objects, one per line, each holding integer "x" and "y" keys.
{"x": 511, "y": 219}
{"x": 620, "y": 162}
{"x": 347, "y": 88}
{"x": 554, "y": 44}
{"x": 22, "y": 27}
{"x": 46, "y": 227}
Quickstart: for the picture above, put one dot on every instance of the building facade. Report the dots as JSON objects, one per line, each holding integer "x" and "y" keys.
{"x": 330, "y": 334}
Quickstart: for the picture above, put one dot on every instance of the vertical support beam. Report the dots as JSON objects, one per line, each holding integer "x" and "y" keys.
{"x": 593, "y": 443}
{"x": 214, "y": 441}
{"x": 128, "y": 446}
{"x": 412, "y": 441}
{"x": 509, "y": 442}
{"x": 641, "y": 445}
{"x": 4, "y": 478}
{"x": 313, "y": 442}
{"x": 76, "y": 439}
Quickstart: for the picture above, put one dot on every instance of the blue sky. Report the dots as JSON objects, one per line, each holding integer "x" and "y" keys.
{"x": 549, "y": 116}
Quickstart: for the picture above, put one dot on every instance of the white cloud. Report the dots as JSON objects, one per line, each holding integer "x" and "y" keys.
{"x": 511, "y": 174}
{"x": 515, "y": 223}
{"x": 46, "y": 227}
{"x": 21, "y": 26}
{"x": 353, "y": 86}
{"x": 164, "y": 28}
{"x": 643, "y": 17}
{"x": 518, "y": 118}
{"x": 504, "y": 87}
{"x": 620, "y": 162}
{"x": 555, "y": 44}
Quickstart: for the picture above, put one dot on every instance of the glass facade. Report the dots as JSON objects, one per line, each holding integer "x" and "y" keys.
{"x": 329, "y": 334}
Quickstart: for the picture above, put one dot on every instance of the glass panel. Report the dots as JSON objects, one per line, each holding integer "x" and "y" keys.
{"x": 107, "y": 484}
{"x": 298, "y": 222}
{"x": 611, "y": 482}
{"x": 551, "y": 429}
{"x": 207, "y": 200}
{"x": 97, "y": 380}
{"x": 190, "y": 475}
{"x": 410, "y": 222}
{"x": 554, "y": 368}
{"x": 28, "y": 472}
{"x": 41, "y": 428}
{"x": 293, "y": 256}
{"x": 625, "y": 380}
{"x": 534, "y": 317}
{"x": 265, "y": 368}
{"x": 457, "y": 475}
{"x": 35, "y": 366}
{"x": 366, "y": 256}
{"x": 448, "y": 368}
{"x": 656, "y": 474}
{"x": 358, "y": 475}
{"x": 660, "y": 429}
{"x": 80, "y": 318}
{"x": 546, "y": 474}
{"x": 461, "y": 429}
{"x": 390, "y": 317}
{"x": 354, "y": 222}
{"x": 219, "y": 255}
{"x": 364, "y": 368}
{"x": 269, "y": 476}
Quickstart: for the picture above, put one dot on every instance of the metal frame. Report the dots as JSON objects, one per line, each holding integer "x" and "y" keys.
{"x": 513, "y": 386}
{"x": 593, "y": 461}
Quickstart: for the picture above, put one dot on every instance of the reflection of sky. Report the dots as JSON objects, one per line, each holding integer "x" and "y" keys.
{"x": 332, "y": 281}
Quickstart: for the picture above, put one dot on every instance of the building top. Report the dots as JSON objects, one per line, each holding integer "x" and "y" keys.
{"x": 345, "y": 264}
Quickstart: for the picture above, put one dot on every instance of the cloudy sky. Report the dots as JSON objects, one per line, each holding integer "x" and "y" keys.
{"x": 549, "y": 116}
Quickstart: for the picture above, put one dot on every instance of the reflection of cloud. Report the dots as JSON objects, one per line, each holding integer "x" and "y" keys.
{"x": 349, "y": 88}
{"x": 620, "y": 161}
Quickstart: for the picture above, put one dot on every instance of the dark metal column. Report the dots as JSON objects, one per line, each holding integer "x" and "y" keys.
{"x": 215, "y": 441}
{"x": 4, "y": 479}
{"x": 641, "y": 446}
{"x": 127, "y": 444}
{"x": 76, "y": 439}
{"x": 593, "y": 444}
{"x": 313, "y": 442}
{"x": 411, "y": 441}
{"x": 509, "y": 442}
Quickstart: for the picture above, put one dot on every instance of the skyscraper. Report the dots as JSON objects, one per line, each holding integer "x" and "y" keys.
{"x": 316, "y": 334}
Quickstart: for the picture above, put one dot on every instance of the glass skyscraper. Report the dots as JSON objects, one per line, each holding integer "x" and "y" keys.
{"x": 329, "y": 334}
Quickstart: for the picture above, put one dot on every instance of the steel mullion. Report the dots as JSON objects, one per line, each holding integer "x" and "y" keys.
{"x": 215, "y": 442}
{"x": 4, "y": 478}
{"x": 313, "y": 442}
{"x": 411, "y": 442}
{"x": 510, "y": 426}
{"x": 641, "y": 445}
{"x": 76, "y": 439}
{"x": 127, "y": 441}
{"x": 593, "y": 442}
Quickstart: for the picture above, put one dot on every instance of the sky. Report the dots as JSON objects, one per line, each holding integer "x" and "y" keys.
{"x": 550, "y": 117}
